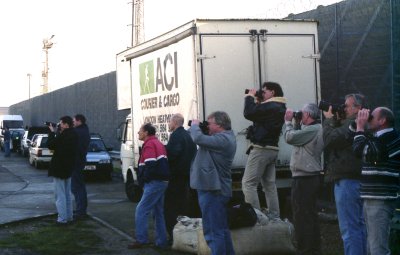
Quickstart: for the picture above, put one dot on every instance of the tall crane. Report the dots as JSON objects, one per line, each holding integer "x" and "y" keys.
{"x": 47, "y": 44}
{"x": 137, "y": 22}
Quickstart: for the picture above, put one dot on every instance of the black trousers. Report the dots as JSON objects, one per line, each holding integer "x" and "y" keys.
{"x": 178, "y": 201}
{"x": 305, "y": 214}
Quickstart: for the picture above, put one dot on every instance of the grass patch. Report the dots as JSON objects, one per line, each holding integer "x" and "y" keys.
{"x": 46, "y": 238}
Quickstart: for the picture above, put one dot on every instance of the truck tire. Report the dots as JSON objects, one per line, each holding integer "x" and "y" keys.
{"x": 133, "y": 191}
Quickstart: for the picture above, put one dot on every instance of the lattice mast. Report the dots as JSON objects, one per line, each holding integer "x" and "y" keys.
{"x": 137, "y": 22}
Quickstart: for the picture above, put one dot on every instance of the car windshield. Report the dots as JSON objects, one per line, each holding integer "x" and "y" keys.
{"x": 96, "y": 145}
{"x": 43, "y": 143}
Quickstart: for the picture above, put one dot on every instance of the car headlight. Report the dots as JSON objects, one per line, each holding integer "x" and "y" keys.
{"x": 105, "y": 161}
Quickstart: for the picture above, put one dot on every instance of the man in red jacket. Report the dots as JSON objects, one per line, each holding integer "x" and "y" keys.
{"x": 153, "y": 176}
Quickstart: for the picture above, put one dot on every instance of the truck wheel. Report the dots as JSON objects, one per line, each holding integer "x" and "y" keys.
{"x": 133, "y": 191}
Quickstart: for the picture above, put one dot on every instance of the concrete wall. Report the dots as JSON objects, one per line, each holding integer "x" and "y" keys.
{"x": 95, "y": 98}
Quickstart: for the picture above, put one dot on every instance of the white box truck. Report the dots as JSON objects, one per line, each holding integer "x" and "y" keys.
{"x": 206, "y": 65}
{"x": 15, "y": 123}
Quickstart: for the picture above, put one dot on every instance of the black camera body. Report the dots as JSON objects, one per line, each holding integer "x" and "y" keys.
{"x": 49, "y": 123}
{"x": 297, "y": 115}
{"x": 336, "y": 108}
{"x": 259, "y": 93}
{"x": 202, "y": 125}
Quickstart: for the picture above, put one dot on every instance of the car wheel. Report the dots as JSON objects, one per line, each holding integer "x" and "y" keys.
{"x": 38, "y": 165}
{"x": 133, "y": 191}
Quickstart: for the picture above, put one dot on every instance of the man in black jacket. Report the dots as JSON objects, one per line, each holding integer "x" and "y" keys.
{"x": 180, "y": 149}
{"x": 62, "y": 163}
{"x": 78, "y": 182}
{"x": 268, "y": 118}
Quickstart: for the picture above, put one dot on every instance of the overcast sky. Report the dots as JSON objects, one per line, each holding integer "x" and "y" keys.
{"x": 89, "y": 33}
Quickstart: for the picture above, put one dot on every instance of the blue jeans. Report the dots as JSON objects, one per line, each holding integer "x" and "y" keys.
{"x": 350, "y": 214}
{"x": 78, "y": 188}
{"x": 62, "y": 191}
{"x": 7, "y": 148}
{"x": 215, "y": 222}
{"x": 152, "y": 202}
{"x": 378, "y": 216}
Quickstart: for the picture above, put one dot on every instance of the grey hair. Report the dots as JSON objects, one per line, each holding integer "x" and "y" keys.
{"x": 312, "y": 109}
{"x": 221, "y": 119}
{"x": 359, "y": 99}
{"x": 178, "y": 119}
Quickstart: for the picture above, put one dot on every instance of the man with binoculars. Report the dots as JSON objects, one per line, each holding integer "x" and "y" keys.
{"x": 344, "y": 169}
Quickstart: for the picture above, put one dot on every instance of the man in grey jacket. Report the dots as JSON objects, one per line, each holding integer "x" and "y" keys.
{"x": 305, "y": 164}
{"x": 210, "y": 175}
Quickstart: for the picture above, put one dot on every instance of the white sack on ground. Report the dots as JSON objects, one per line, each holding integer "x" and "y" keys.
{"x": 276, "y": 237}
{"x": 185, "y": 234}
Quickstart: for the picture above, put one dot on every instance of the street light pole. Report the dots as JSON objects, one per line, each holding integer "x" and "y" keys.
{"x": 29, "y": 84}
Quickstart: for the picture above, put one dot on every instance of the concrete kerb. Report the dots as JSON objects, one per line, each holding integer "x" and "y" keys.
{"x": 98, "y": 220}
{"x": 106, "y": 224}
{"x": 28, "y": 219}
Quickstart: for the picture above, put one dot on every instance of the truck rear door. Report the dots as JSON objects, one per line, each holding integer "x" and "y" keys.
{"x": 230, "y": 63}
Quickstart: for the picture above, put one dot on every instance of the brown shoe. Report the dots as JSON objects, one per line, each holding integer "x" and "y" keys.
{"x": 137, "y": 245}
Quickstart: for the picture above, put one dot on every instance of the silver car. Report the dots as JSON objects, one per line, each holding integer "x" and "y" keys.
{"x": 39, "y": 154}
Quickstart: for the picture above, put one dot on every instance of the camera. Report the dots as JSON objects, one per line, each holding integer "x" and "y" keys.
{"x": 336, "y": 108}
{"x": 202, "y": 125}
{"x": 297, "y": 115}
{"x": 259, "y": 93}
{"x": 49, "y": 123}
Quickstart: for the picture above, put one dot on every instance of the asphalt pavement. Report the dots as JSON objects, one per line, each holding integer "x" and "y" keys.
{"x": 27, "y": 193}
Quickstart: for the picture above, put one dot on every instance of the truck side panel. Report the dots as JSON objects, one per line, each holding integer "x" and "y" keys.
{"x": 163, "y": 83}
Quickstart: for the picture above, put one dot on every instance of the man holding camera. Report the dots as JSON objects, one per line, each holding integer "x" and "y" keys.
{"x": 210, "y": 175}
{"x": 64, "y": 141}
{"x": 268, "y": 118}
{"x": 344, "y": 168}
{"x": 305, "y": 164}
{"x": 380, "y": 185}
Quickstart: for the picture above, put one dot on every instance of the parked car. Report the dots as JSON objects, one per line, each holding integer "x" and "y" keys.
{"x": 27, "y": 138}
{"x": 39, "y": 154}
{"x": 98, "y": 159}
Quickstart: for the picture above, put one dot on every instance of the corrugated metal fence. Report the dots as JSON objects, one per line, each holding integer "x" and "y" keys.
{"x": 95, "y": 98}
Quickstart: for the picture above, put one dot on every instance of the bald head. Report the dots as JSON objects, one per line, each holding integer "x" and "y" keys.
{"x": 175, "y": 122}
{"x": 383, "y": 118}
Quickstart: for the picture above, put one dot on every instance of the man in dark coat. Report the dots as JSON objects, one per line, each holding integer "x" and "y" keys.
{"x": 64, "y": 144}
{"x": 78, "y": 183}
{"x": 180, "y": 150}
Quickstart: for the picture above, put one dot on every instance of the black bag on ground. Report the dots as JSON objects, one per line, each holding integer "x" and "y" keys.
{"x": 241, "y": 215}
